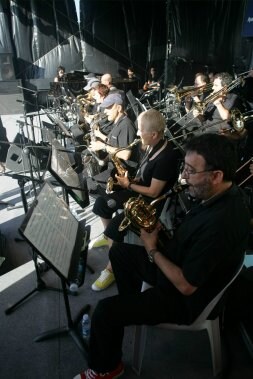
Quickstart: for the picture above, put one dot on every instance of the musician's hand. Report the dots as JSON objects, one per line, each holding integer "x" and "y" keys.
{"x": 196, "y": 99}
{"x": 98, "y": 134}
{"x": 145, "y": 86}
{"x": 195, "y": 112}
{"x": 123, "y": 181}
{"x": 96, "y": 145}
{"x": 218, "y": 101}
{"x": 87, "y": 117}
{"x": 150, "y": 239}
{"x": 224, "y": 131}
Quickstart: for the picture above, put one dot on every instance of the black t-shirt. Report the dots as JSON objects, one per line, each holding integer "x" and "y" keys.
{"x": 213, "y": 121}
{"x": 123, "y": 133}
{"x": 165, "y": 166}
{"x": 208, "y": 246}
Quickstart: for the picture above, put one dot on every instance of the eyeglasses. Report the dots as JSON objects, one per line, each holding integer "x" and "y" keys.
{"x": 191, "y": 171}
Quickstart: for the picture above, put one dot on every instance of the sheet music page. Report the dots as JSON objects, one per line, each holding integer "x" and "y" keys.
{"x": 52, "y": 229}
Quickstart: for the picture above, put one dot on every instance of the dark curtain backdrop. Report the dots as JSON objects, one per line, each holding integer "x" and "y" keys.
{"x": 204, "y": 34}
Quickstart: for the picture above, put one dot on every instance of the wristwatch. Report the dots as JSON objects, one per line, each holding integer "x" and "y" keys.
{"x": 151, "y": 254}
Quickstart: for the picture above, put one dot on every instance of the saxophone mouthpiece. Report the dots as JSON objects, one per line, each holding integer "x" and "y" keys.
{"x": 180, "y": 187}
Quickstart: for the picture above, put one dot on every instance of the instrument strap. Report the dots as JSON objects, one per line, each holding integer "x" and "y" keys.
{"x": 159, "y": 151}
{"x": 146, "y": 158}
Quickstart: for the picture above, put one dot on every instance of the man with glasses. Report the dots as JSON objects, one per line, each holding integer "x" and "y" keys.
{"x": 194, "y": 266}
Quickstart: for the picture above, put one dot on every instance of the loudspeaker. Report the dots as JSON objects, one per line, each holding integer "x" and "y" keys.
{"x": 6, "y": 65}
{"x": 17, "y": 159}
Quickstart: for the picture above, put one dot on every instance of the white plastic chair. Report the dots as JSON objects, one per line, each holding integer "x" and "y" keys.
{"x": 201, "y": 323}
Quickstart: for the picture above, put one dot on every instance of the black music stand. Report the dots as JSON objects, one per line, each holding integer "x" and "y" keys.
{"x": 41, "y": 285}
{"x": 56, "y": 236}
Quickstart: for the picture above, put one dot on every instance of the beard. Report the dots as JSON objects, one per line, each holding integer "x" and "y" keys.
{"x": 201, "y": 190}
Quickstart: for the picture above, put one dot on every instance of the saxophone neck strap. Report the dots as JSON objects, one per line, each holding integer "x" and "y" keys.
{"x": 158, "y": 151}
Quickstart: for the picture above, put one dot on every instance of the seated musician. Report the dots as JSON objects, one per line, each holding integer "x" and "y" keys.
{"x": 87, "y": 101}
{"x": 187, "y": 99}
{"x": 131, "y": 74}
{"x": 122, "y": 134}
{"x": 152, "y": 88}
{"x": 106, "y": 79}
{"x": 152, "y": 81}
{"x": 157, "y": 173}
{"x": 215, "y": 117}
{"x": 100, "y": 93}
{"x": 185, "y": 276}
{"x": 198, "y": 95}
{"x": 60, "y": 75}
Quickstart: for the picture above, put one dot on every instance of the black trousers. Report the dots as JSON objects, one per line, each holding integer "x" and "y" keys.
{"x": 161, "y": 303}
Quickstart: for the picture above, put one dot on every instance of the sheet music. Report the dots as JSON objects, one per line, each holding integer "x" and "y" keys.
{"x": 52, "y": 229}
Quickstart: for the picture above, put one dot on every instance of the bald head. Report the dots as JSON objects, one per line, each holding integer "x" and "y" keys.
{"x": 106, "y": 79}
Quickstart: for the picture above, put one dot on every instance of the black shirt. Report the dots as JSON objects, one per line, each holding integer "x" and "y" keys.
{"x": 208, "y": 246}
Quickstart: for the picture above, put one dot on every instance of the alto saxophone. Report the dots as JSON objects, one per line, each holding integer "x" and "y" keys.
{"x": 140, "y": 214}
{"x": 118, "y": 165}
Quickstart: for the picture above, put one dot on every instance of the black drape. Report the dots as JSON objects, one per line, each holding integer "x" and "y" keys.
{"x": 117, "y": 33}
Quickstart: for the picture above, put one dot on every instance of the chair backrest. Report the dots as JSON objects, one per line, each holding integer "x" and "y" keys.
{"x": 210, "y": 306}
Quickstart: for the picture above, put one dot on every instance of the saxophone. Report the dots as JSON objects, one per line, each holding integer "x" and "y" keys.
{"x": 94, "y": 125}
{"x": 140, "y": 214}
{"x": 118, "y": 165}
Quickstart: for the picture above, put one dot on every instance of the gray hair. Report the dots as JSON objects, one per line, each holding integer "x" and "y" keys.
{"x": 153, "y": 121}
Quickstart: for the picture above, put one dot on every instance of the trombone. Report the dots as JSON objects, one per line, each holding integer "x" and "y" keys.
{"x": 215, "y": 95}
{"x": 192, "y": 91}
{"x": 241, "y": 167}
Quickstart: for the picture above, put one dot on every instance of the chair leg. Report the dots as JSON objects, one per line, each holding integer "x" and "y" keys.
{"x": 139, "y": 347}
{"x": 213, "y": 329}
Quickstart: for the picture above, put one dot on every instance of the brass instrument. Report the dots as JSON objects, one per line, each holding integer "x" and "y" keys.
{"x": 86, "y": 99}
{"x": 117, "y": 163}
{"x": 238, "y": 120}
{"x": 84, "y": 103}
{"x": 215, "y": 95}
{"x": 142, "y": 215}
{"x": 92, "y": 162}
{"x": 94, "y": 125}
{"x": 192, "y": 91}
{"x": 246, "y": 164}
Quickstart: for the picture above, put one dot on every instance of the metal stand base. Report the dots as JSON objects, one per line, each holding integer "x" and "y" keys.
{"x": 71, "y": 327}
{"x": 41, "y": 286}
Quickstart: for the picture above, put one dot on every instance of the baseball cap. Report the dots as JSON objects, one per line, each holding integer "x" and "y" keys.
{"x": 111, "y": 99}
{"x": 92, "y": 83}
{"x": 91, "y": 75}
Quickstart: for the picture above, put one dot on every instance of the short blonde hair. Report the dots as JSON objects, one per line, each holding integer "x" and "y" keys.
{"x": 153, "y": 121}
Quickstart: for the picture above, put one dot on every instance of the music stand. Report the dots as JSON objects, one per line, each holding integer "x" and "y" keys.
{"x": 55, "y": 234}
{"x": 62, "y": 168}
